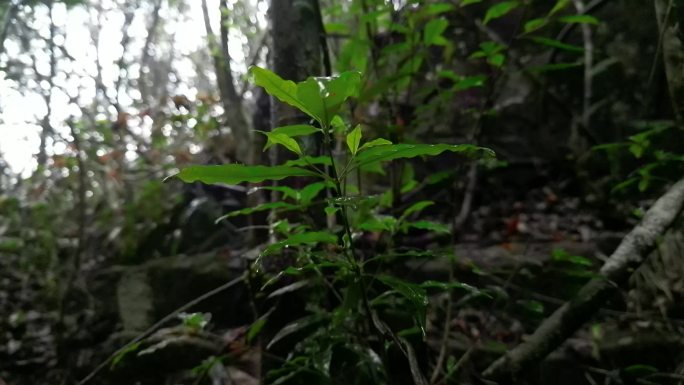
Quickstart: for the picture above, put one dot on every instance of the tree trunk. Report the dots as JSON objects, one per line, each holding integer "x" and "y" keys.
{"x": 295, "y": 55}
{"x": 668, "y": 14}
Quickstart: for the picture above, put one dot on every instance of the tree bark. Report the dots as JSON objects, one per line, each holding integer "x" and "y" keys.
{"x": 668, "y": 14}
{"x": 630, "y": 254}
{"x": 230, "y": 99}
{"x": 295, "y": 55}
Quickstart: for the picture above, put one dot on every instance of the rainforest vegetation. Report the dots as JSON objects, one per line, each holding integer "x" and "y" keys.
{"x": 341, "y": 192}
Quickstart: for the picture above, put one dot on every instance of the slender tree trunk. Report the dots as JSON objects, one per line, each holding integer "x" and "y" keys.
{"x": 296, "y": 54}
{"x": 668, "y": 13}
{"x": 231, "y": 101}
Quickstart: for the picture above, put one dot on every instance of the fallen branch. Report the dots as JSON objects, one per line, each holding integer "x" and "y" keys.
{"x": 632, "y": 252}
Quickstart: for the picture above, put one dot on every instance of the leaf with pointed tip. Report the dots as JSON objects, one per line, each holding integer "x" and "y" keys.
{"x": 579, "y": 19}
{"x": 294, "y": 327}
{"x": 292, "y": 130}
{"x": 499, "y": 10}
{"x": 237, "y": 173}
{"x": 416, "y": 208}
{"x": 308, "y": 238}
{"x": 399, "y": 151}
{"x": 283, "y": 90}
{"x": 284, "y": 140}
{"x": 288, "y": 192}
{"x": 354, "y": 139}
{"x": 375, "y": 143}
{"x": 307, "y": 160}
{"x": 430, "y": 226}
{"x": 308, "y": 193}
{"x": 432, "y": 35}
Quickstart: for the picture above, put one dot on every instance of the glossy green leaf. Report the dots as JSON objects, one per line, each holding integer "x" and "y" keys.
{"x": 309, "y": 160}
{"x": 354, "y": 140}
{"x": 274, "y": 85}
{"x": 324, "y": 96}
{"x": 499, "y": 10}
{"x": 375, "y": 143}
{"x": 288, "y": 192}
{"x": 320, "y": 97}
{"x": 296, "y": 130}
{"x": 399, "y": 151}
{"x": 414, "y": 293}
{"x": 284, "y": 140}
{"x": 237, "y": 173}
{"x": 579, "y": 19}
{"x": 294, "y": 327}
{"x": 308, "y": 238}
{"x": 311, "y": 191}
{"x": 468, "y": 2}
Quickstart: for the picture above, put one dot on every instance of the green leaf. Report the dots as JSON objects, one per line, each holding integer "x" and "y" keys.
{"x": 399, "y": 151}
{"x": 195, "y": 320}
{"x": 296, "y": 130}
{"x": 436, "y": 9}
{"x": 283, "y": 90}
{"x": 125, "y": 351}
{"x": 580, "y": 19}
{"x": 255, "y": 329}
{"x": 288, "y": 192}
{"x": 307, "y": 238}
{"x": 261, "y": 207}
{"x": 468, "y": 2}
{"x": 497, "y": 60}
{"x": 560, "y": 4}
{"x": 414, "y": 293}
{"x": 307, "y": 160}
{"x": 294, "y": 327}
{"x": 354, "y": 139}
{"x": 320, "y": 97}
{"x": 532, "y": 306}
{"x": 433, "y": 30}
{"x": 374, "y": 143}
{"x": 284, "y": 140}
{"x": 534, "y": 25}
{"x": 556, "y": 44}
{"x": 416, "y": 208}
{"x": 430, "y": 226}
{"x": 324, "y": 96}
{"x": 237, "y": 173}
{"x": 470, "y": 82}
{"x": 500, "y": 10}
{"x": 308, "y": 193}
{"x": 378, "y": 223}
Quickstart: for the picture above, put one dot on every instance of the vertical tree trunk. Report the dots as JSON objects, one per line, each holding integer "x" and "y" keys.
{"x": 295, "y": 54}
{"x": 230, "y": 99}
{"x": 667, "y": 13}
